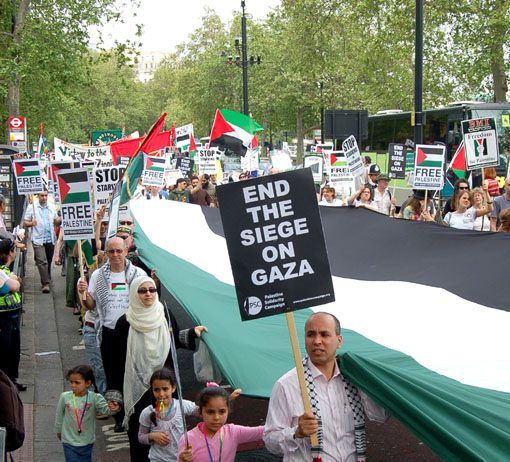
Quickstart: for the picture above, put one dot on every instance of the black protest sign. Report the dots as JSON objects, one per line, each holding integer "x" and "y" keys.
{"x": 275, "y": 244}
{"x": 185, "y": 165}
{"x": 397, "y": 161}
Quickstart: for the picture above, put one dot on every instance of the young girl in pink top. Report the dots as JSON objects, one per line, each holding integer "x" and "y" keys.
{"x": 214, "y": 440}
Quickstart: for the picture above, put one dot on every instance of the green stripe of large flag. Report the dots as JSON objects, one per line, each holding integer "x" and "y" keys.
{"x": 410, "y": 352}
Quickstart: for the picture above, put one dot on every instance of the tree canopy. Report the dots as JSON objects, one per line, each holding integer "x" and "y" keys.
{"x": 314, "y": 54}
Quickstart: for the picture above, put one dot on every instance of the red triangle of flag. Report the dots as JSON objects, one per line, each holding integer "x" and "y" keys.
{"x": 149, "y": 163}
{"x": 19, "y": 168}
{"x": 220, "y": 126}
{"x": 192, "y": 144}
{"x": 333, "y": 159}
{"x": 63, "y": 188}
{"x": 420, "y": 156}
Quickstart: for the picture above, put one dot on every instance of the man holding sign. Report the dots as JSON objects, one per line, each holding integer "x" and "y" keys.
{"x": 338, "y": 406}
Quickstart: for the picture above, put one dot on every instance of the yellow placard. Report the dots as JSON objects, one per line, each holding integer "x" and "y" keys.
{"x": 505, "y": 120}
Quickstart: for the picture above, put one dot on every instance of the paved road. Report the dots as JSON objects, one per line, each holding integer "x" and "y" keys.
{"x": 52, "y": 345}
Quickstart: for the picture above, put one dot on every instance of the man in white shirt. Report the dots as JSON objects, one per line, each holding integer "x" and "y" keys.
{"x": 40, "y": 217}
{"x": 339, "y": 404}
{"x": 382, "y": 196}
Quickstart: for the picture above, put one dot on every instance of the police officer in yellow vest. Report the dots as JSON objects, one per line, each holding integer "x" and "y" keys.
{"x": 10, "y": 312}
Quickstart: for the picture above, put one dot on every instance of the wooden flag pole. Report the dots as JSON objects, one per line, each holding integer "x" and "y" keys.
{"x": 33, "y": 207}
{"x": 82, "y": 272}
{"x": 427, "y": 200}
{"x": 300, "y": 370}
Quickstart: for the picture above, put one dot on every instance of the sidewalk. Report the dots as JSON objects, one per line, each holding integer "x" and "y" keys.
{"x": 40, "y": 369}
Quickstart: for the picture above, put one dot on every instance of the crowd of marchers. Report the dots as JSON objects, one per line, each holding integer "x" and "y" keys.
{"x": 483, "y": 208}
{"x": 128, "y": 344}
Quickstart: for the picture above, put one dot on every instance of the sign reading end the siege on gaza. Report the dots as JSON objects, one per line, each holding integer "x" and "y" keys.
{"x": 276, "y": 244}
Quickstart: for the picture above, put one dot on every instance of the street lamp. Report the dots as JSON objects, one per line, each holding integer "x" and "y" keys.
{"x": 242, "y": 60}
{"x": 418, "y": 75}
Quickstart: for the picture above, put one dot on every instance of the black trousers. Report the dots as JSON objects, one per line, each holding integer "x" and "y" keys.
{"x": 110, "y": 366}
{"x": 138, "y": 452}
{"x": 10, "y": 344}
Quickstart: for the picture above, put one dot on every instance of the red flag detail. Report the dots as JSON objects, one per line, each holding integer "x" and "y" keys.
{"x": 63, "y": 188}
{"x": 220, "y": 126}
{"x": 19, "y": 169}
{"x": 420, "y": 156}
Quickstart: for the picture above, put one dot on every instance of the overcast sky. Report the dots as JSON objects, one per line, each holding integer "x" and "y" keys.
{"x": 169, "y": 22}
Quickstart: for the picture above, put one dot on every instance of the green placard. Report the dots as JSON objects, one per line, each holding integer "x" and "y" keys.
{"x": 105, "y": 136}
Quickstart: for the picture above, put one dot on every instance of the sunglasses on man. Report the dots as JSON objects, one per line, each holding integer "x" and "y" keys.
{"x": 125, "y": 223}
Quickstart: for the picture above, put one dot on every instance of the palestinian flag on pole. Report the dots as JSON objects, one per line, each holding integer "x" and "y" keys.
{"x": 135, "y": 166}
{"x": 43, "y": 148}
{"x": 428, "y": 158}
{"x": 74, "y": 186}
{"x": 433, "y": 349}
{"x": 26, "y": 167}
{"x": 234, "y": 125}
{"x": 457, "y": 168}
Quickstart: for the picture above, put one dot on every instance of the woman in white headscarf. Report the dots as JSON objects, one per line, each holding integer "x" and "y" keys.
{"x": 144, "y": 334}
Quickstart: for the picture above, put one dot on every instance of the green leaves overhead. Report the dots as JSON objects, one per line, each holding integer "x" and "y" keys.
{"x": 314, "y": 54}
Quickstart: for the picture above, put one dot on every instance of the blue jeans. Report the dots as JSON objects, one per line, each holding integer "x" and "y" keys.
{"x": 78, "y": 453}
{"x": 93, "y": 355}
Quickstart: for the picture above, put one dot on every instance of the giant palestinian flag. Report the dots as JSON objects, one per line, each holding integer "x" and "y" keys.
{"x": 76, "y": 204}
{"x": 28, "y": 176}
{"x": 425, "y": 335}
{"x": 231, "y": 129}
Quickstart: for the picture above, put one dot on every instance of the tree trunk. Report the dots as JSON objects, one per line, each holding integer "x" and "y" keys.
{"x": 300, "y": 136}
{"x": 13, "y": 92}
{"x": 498, "y": 73}
{"x": 13, "y": 97}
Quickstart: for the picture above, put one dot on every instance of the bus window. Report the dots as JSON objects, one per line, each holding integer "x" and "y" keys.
{"x": 403, "y": 130}
{"x": 383, "y": 133}
{"x": 436, "y": 127}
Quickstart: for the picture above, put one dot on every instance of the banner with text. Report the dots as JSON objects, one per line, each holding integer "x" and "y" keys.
{"x": 339, "y": 175}
{"x": 185, "y": 165}
{"x": 183, "y": 137}
{"x": 28, "y": 176}
{"x": 353, "y": 156}
{"x": 100, "y": 155}
{"x": 276, "y": 244}
{"x": 316, "y": 164}
{"x": 76, "y": 204}
{"x": 105, "y": 181}
{"x": 397, "y": 161}
{"x": 207, "y": 161}
{"x": 154, "y": 170}
{"x": 429, "y": 167}
{"x": 481, "y": 143}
